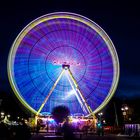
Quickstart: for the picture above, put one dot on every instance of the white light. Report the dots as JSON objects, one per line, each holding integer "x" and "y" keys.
{"x": 8, "y": 116}
{"x": 126, "y": 108}
{"x": 75, "y": 120}
{"x": 2, "y": 113}
{"x": 69, "y": 94}
{"x": 122, "y": 109}
{"x": 100, "y": 114}
{"x": 25, "y": 121}
{"x": 2, "y": 116}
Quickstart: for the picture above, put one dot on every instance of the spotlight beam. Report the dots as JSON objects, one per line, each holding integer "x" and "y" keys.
{"x": 47, "y": 97}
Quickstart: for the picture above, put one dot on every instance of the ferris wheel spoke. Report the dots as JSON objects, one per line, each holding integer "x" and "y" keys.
{"x": 49, "y": 94}
{"x": 80, "y": 93}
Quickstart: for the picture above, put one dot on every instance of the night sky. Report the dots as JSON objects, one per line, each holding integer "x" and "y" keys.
{"x": 120, "y": 20}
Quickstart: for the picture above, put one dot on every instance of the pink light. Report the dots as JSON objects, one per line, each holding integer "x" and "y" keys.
{"x": 55, "y": 62}
{"x": 75, "y": 120}
{"x": 78, "y": 120}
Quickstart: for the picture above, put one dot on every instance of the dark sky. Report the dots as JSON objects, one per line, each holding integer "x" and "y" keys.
{"x": 121, "y": 21}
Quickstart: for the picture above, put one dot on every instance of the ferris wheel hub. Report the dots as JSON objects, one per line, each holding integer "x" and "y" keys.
{"x": 65, "y": 66}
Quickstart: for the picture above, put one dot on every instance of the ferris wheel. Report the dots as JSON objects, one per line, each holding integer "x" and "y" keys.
{"x": 63, "y": 59}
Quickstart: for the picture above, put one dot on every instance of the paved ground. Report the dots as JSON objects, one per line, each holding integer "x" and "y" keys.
{"x": 106, "y": 137}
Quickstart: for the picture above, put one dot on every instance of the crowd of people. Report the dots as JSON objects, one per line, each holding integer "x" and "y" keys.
{"x": 14, "y": 132}
{"x": 22, "y": 131}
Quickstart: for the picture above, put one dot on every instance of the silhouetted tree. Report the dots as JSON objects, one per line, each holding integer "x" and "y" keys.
{"x": 60, "y": 113}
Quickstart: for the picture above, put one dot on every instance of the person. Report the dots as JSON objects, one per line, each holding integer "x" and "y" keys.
{"x": 4, "y": 132}
{"x": 37, "y": 128}
{"x": 100, "y": 129}
{"x": 22, "y": 132}
{"x": 68, "y": 130}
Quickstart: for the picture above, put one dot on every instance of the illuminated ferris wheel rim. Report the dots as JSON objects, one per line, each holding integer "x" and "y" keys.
{"x": 73, "y": 16}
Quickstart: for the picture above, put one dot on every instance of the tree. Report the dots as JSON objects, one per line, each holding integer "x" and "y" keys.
{"x": 60, "y": 113}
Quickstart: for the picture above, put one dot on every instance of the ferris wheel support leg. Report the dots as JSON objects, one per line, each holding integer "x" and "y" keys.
{"x": 81, "y": 95}
{"x": 47, "y": 97}
{"x": 77, "y": 96}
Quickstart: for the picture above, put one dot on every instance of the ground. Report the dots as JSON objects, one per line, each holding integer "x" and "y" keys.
{"x": 91, "y": 137}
